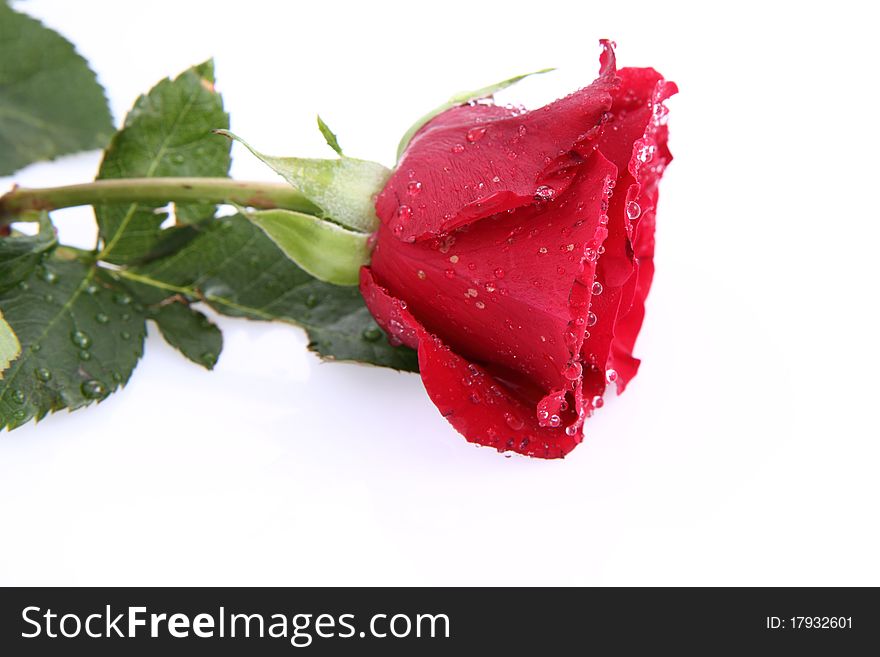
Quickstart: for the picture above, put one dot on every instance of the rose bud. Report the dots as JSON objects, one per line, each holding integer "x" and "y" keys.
{"x": 515, "y": 252}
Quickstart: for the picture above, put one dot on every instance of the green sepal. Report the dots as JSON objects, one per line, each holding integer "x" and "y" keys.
{"x": 460, "y": 99}
{"x": 325, "y": 250}
{"x": 344, "y": 189}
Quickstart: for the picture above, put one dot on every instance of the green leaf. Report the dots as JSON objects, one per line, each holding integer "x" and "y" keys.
{"x": 343, "y": 188}
{"x": 190, "y": 332}
{"x": 166, "y": 134}
{"x": 50, "y": 101}
{"x": 460, "y": 99}
{"x": 81, "y": 335}
{"x": 240, "y": 272}
{"x": 329, "y": 136}
{"x": 9, "y": 345}
{"x": 20, "y": 254}
{"x": 327, "y": 251}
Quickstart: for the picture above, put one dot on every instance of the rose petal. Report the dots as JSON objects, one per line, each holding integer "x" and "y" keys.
{"x": 484, "y": 409}
{"x": 635, "y": 141}
{"x": 501, "y": 292}
{"x": 477, "y": 160}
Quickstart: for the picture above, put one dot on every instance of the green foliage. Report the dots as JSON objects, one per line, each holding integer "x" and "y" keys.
{"x": 166, "y": 134}
{"x": 189, "y": 331}
{"x": 73, "y": 322}
{"x": 239, "y": 271}
{"x": 50, "y": 101}
{"x": 20, "y": 254}
{"x": 81, "y": 332}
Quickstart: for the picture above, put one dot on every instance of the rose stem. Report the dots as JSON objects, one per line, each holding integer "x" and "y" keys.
{"x": 155, "y": 191}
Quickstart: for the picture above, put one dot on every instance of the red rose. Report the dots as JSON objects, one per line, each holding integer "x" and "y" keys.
{"x": 515, "y": 254}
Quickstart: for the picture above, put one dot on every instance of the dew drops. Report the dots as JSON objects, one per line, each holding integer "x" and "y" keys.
{"x": 611, "y": 375}
{"x": 597, "y": 288}
{"x": 209, "y": 358}
{"x": 496, "y": 179}
{"x": 421, "y": 274}
{"x": 572, "y": 370}
{"x": 458, "y": 148}
{"x": 81, "y": 340}
{"x": 178, "y": 159}
{"x": 471, "y": 292}
{"x": 453, "y": 259}
{"x": 93, "y": 389}
{"x": 43, "y": 374}
{"x": 23, "y": 285}
{"x": 571, "y": 430}
{"x": 633, "y": 210}
{"x": 544, "y": 193}
{"x": 513, "y": 421}
{"x": 597, "y": 402}
{"x": 449, "y": 273}
{"x": 371, "y": 334}
{"x": 116, "y": 376}
{"x": 499, "y": 273}
{"x": 18, "y": 396}
{"x": 122, "y": 299}
{"x": 125, "y": 317}
{"x": 475, "y": 134}
{"x": 92, "y": 289}
{"x": 49, "y": 276}
{"x": 554, "y": 420}
{"x": 480, "y": 305}
{"x": 543, "y": 250}
{"x": 591, "y": 319}
{"x": 125, "y": 335}
{"x": 311, "y": 301}
{"x": 35, "y": 348}
{"x": 404, "y": 213}
{"x": 84, "y": 354}
{"x": 102, "y": 318}
{"x": 414, "y": 187}
{"x": 49, "y": 297}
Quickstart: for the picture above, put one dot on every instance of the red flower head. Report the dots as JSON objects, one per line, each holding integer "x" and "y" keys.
{"x": 515, "y": 254}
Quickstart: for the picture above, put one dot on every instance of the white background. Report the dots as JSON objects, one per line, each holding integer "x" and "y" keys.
{"x": 745, "y": 452}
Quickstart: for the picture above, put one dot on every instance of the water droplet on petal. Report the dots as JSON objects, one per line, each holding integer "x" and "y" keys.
{"x": 633, "y": 210}
{"x": 597, "y": 402}
{"x": 597, "y": 288}
{"x": 421, "y": 274}
{"x": 611, "y": 375}
{"x": 499, "y": 273}
{"x": 573, "y": 369}
{"x": 475, "y": 134}
{"x": 404, "y": 213}
{"x": 458, "y": 148}
{"x": 480, "y": 305}
{"x": 592, "y": 319}
{"x": 513, "y": 421}
{"x": 544, "y": 193}
{"x": 554, "y": 421}
{"x": 414, "y": 187}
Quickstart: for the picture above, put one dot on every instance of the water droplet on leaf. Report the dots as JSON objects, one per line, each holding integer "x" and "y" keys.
{"x": 93, "y": 389}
